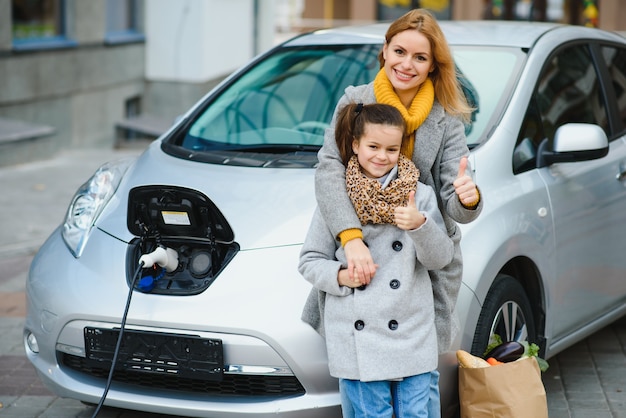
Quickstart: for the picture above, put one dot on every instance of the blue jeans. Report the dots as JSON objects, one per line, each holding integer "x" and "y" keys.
{"x": 434, "y": 401}
{"x": 407, "y": 398}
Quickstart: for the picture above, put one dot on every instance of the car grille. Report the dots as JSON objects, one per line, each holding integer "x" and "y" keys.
{"x": 232, "y": 384}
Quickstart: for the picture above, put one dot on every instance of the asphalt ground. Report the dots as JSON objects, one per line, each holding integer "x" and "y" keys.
{"x": 588, "y": 380}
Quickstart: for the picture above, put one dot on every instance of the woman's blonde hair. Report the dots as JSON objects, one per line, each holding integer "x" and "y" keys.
{"x": 447, "y": 88}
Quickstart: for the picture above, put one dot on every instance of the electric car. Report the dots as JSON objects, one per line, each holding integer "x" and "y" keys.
{"x": 178, "y": 269}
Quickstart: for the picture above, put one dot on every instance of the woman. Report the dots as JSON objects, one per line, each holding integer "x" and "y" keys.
{"x": 418, "y": 77}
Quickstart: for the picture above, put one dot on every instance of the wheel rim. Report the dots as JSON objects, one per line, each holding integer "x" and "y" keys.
{"x": 510, "y": 323}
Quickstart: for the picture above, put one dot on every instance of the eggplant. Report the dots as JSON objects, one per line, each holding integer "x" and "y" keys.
{"x": 506, "y": 352}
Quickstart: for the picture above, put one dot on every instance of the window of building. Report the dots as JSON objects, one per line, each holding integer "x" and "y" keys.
{"x": 39, "y": 24}
{"x": 532, "y": 10}
{"x": 121, "y": 21}
{"x": 393, "y": 9}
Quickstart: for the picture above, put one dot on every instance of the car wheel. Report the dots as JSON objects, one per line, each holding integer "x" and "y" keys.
{"x": 506, "y": 312}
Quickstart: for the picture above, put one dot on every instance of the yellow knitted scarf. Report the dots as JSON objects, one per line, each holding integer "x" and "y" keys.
{"x": 415, "y": 115}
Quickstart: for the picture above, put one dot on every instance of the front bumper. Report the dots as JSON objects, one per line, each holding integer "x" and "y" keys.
{"x": 253, "y": 307}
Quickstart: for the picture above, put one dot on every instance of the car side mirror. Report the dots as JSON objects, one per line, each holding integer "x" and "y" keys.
{"x": 573, "y": 142}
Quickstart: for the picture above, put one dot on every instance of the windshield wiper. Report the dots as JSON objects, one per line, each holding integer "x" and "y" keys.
{"x": 273, "y": 148}
{"x": 259, "y": 155}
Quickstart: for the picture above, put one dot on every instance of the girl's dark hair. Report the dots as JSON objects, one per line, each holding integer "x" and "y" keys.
{"x": 353, "y": 118}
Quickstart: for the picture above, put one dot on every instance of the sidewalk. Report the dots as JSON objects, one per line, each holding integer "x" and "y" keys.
{"x": 35, "y": 195}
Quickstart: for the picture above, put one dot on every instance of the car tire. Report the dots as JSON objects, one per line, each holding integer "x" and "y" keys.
{"x": 506, "y": 312}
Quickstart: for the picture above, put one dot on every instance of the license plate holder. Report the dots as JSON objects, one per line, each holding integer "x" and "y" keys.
{"x": 176, "y": 355}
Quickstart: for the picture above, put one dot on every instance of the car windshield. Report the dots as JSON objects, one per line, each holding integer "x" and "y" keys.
{"x": 282, "y": 104}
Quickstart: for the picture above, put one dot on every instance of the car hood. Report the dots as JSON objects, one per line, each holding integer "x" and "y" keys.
{"x": 264, "y": 207}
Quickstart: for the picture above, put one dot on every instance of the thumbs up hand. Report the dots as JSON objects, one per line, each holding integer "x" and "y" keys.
{"x": 464, "y": 186}
{"x": 409, "y": 217}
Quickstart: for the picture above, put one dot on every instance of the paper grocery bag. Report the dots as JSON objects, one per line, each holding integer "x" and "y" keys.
{"x": 509, "y": 390}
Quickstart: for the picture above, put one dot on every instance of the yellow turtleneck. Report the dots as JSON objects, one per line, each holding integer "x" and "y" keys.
{"x": 415, "y": 115}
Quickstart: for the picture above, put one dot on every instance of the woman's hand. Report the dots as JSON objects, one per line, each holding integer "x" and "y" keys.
{"x": 409, "y": 217}
{"x": 465, "y": 188}
{"x": 361, "y": 266}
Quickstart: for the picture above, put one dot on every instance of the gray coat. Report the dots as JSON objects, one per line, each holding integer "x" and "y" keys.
{"x": 386, "y": 330}
{"x": 439, "y": 145}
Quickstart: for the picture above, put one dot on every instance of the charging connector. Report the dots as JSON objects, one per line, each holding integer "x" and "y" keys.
{"x": 163, "y": 256}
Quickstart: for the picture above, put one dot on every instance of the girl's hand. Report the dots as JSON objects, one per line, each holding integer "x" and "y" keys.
{"x": 343, "y": 278}
{"x": 360, "y": 263}
{"x": 409, "y": 217}
{"x": 464, "y": 186}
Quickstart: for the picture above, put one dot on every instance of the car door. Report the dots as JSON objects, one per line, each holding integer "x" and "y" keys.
{"x": 588, "y": 199}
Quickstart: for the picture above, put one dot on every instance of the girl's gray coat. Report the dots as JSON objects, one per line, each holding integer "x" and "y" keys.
{"x": 387, "y": 330}
{"x": 439, "y": 145}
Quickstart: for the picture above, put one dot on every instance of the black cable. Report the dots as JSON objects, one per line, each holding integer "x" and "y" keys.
{"x": 119, "y": 340}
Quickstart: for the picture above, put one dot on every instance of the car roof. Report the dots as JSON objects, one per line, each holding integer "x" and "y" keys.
{"x": 518, "y": 34}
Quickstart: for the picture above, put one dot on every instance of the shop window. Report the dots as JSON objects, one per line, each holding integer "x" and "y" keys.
{"x": 39, "y": 24}
{"x": 121, "y": 21}
{"x": 393, "y": 9}
{"x": 531, "y": 10}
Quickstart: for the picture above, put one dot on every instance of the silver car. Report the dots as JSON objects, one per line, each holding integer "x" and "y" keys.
{"x": 207, "y": 224}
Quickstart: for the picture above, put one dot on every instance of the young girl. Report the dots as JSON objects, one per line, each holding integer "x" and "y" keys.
{"x": 380, "y": 337}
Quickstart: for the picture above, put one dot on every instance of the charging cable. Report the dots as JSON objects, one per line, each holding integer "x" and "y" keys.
{"x": 165, "y": 257}
{"x": 119, "y": 340}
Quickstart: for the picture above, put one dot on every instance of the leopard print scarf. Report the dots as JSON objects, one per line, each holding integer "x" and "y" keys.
{"x": 372, "y": 203}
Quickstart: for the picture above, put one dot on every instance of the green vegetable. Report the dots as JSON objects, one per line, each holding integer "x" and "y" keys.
{"x": 532, "y": 350}
{"x": 494, "y": 341}
{"x": 543, "y": 364}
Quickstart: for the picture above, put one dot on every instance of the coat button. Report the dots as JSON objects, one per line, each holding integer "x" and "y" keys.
{"x": 393, "y": 325}
{"x": 362, "y": 287}
{"x": 359, "y": 325}
{"x": 397, "y": 246}
{"x": 394, "y": 284}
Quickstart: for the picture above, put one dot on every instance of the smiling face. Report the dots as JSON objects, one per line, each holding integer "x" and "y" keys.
{"x": 408, "y": 61}
{"x": 378, "y": 149}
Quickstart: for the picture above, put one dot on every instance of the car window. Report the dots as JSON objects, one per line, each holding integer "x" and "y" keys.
{"x": 487, "y": 76}
{"x": 287, "y": 99}
{"x": 568, "y": 91}
{"x": 282, "y": 104}
{"x": 615, "y": 59}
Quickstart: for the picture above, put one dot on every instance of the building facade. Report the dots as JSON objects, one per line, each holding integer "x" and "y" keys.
{"x": 604, "y": 14}
{"x": 79, "y": 74}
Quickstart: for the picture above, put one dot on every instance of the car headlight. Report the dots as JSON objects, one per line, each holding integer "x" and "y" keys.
{"x": 89, "y": 201}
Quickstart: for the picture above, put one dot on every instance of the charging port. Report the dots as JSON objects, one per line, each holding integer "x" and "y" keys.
{"x": 171, "y": 222}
